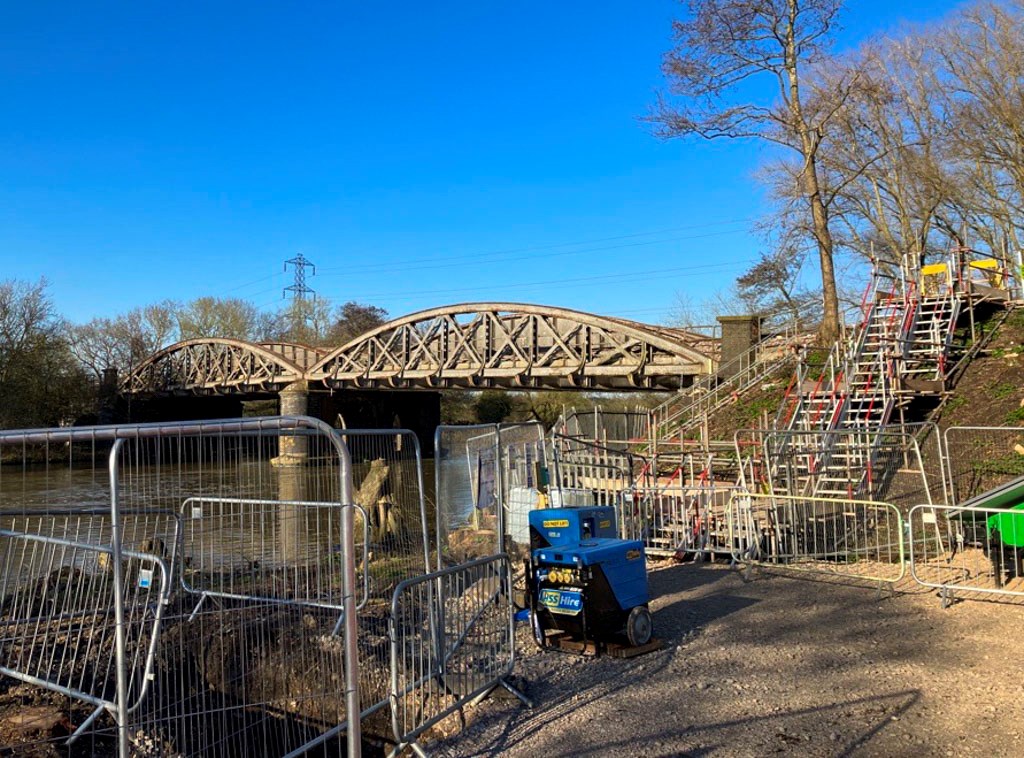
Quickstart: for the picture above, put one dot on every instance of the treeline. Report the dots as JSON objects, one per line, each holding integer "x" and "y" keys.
{"x": 897, "y": 150}
{"x": 51, "y": 368}
{"x": 125, "y": 340}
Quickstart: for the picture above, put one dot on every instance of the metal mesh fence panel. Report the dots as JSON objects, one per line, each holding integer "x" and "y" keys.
{"x": 933, "y": 459}
{"x": 615, "y": 429}
{"x": 852, "y": 538}
{"x": 57, "y": 621}
{"x": 681, "y": 510}
{"x": 522, "y": 456}
{"x": 223, "y": 555}
{"x": 685, "y": 518}
{"x": 586, "y": 473}
{"x": 451, "y": 640}
{"x": 981, "y": 458}
{"x": 252, "y": 653}
{"x": 388, "y": 484}
{"x": 972, "y": 551}
{"x": 488, "y": 478}
{"x": 884, "y": 465}
{"x": 467, "y": 479}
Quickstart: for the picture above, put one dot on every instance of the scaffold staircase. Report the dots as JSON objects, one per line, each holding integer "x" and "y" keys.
{"x": 925, "y": 360}
{"x": 679, "y": 416}
{"x": 831, "y": 426}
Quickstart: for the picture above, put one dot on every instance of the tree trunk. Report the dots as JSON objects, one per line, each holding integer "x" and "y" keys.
{"x": 829, "y": 331}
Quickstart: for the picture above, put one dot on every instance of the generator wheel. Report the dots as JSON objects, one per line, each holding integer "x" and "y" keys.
{"x": 639, "y": 626}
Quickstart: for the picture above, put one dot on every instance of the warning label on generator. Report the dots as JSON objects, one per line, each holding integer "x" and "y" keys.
{"x": 556, "y": 523}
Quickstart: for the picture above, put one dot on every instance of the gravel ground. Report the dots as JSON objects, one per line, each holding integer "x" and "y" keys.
{"x": 777, "y": 665}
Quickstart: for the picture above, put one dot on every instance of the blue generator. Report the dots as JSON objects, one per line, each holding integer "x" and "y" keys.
{"x": 584, "y": 584}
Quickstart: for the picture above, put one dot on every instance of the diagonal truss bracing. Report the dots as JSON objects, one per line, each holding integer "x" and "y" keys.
{"x": 512, "y": 345}
{"x": 467, "y": 346}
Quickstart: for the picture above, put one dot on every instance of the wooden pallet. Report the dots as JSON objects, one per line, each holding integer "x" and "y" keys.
{"x": 594, "y": 648}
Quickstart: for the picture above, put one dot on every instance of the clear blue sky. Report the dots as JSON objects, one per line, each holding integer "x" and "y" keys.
{"x": 419, "y": 153}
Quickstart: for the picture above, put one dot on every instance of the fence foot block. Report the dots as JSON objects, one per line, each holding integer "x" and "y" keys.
{"x": 518, "y": 693}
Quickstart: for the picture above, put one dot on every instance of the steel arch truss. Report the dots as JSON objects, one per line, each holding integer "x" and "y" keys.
{"x": 210, "y": 366}
{"x": 512, "y": 345}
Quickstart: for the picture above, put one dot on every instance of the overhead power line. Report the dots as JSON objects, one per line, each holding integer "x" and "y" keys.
{"x": 501, "y": 256}
{"x": 625, "y": 277}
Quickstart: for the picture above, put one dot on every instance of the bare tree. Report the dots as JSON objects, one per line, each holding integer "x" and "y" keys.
{"x": 722, "y": 49}
{"x": 982, "y": 55}
{"x": 701, "y": 316}
{"x": 229, "y": 318}
{"x": 124, "y": 341}
{"x": 929, "y": 148}
{"x": 26, "y": 322}
{"x": 40, "y": 382}
{"x": 303, "y": 321}
{"x": 885, "y": 158}
{"x": 771, "y": 287}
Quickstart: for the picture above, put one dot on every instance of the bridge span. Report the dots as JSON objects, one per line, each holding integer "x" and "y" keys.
{"x": 466, "y": 346}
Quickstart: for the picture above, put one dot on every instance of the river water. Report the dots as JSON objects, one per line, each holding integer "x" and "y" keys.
{"x": 35, "y": 489}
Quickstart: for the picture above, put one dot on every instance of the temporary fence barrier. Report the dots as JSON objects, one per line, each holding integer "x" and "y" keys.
{"x": 679, "y": 511}
{"x": 853, "y": 538}
{"x": 488, "y": 477}
{"x": 931, "y": 445}
{"x": 231, "y": 675}
{"x": 198, "y": 588}
{"x": 586, "y": 473}
{"x": 587, "y": 467}
{"x": 452, "y": 641}
{"x": 619, "y": 430}
{"x": 883, "y": 465}
{"x": 467, "y": 483}
{"x": 523, "y": 452}
{"x": 687, "y": 518}
{"x": 388, "y": 485}
{"x": 980, "y": 458}
{"x": 238, "y": 550}
{"x": 57, "y": 625}
{"x": 973, "y": 550}
{"x": 389, "y": 494}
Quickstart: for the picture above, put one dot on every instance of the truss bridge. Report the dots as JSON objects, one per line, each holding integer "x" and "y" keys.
{"x": 467, "y": 346}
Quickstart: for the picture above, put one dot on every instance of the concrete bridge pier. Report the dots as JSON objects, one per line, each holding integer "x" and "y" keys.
{"x": 293, "y": 450}
{"x": 739, "y": 335}
{"x": 293, "y": 455}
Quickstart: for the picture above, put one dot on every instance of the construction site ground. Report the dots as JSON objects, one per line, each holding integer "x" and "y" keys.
{"x": 782, "y": 664}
